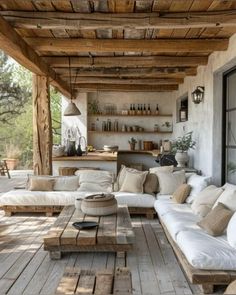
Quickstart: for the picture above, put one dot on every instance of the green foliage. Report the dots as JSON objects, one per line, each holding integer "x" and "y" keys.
{"x": 132, "y": 140}
{"x": 16, "y": 126}
{"x": 184, "y": 143}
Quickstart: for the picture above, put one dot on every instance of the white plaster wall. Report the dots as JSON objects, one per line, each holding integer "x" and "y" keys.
{"x": 78, "y": 123}
{"x": 204, "y": 118}
{"x": 123, "y": 100}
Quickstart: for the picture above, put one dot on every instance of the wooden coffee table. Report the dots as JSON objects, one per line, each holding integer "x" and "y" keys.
{"x": 113, "y": 234}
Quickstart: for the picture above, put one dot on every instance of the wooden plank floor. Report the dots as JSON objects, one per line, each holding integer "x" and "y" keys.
{"x": 25, "y": 268}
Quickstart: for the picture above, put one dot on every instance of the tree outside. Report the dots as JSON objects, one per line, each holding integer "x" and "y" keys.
{"x": 16, "y": 130}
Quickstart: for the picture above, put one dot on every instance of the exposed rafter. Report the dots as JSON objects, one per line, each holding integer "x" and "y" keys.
{"x": 127, "y": 61}
{"x": 116, "y": 45}
{"x": 93, "y": 21}
{"x": 13, "y": 44}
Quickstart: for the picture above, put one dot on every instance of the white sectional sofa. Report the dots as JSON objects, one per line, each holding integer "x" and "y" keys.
{"x": 90, "y": 182}
{"x": 206, "y": 259}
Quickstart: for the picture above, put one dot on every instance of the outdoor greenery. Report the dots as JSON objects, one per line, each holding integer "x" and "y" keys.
{"x": 16, "y": 132}
{"x": 184, "y": 143}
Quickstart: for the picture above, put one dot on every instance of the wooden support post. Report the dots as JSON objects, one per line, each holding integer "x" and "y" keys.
{"x": 42, "y": 129}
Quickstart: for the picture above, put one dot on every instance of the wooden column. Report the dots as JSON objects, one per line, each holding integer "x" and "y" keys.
{"x": 42, "y": 128}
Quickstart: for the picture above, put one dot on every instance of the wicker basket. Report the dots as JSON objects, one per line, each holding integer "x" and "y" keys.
{"x": 99, "y": 205}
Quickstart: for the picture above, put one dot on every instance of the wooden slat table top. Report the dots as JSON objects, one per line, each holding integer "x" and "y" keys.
{"x": 113, "y": 229}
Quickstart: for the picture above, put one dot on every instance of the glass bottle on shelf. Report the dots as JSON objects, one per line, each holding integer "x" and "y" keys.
{"x": 149, "y": 110}
{"x": 134, "y": 109}
{"x": 131, "y": 109}
{"x": 144, "y": 109}
{"x": 141, "y": 109}
{"x": 157, "y": 110}
{"x": 138, "y": 111}
{"x": 116, "y": 126}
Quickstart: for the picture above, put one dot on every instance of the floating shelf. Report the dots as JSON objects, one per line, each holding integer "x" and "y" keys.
{"x": 129, "y": 132}
{"x": 120, "y": 115}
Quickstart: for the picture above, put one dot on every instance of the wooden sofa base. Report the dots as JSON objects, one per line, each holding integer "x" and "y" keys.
{"x": 206, "y": 278}
{"x": 50, "y": 210}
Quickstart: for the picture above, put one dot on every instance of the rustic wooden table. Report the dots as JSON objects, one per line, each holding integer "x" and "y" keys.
{"x": 113, "y": 234}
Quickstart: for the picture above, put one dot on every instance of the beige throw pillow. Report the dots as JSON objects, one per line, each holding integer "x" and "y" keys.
{"x": 231, "y": 289}
{"x": 133, "y": 182}
{"x": 151, "y": 184}
{"x": 228, "y": 198}
{"x": 216, "y": 220}
{"x": 162, "y": 169}
{"x": 121, "y": 175}
{"x": 169, "y": 182}
{"x": 181, "y": 194}
{"x": 205, "y": 200}
{"x": 40, "y": 184}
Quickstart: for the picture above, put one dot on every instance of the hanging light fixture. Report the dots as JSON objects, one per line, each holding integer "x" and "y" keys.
{"x": 71, "y": 109}
{"x": 198, "y": 94}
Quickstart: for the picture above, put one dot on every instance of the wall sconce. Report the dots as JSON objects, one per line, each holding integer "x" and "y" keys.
{"x": 198, "y": 94}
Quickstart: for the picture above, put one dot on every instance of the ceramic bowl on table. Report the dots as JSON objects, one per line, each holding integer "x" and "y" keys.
{"x": 110, "y": 148}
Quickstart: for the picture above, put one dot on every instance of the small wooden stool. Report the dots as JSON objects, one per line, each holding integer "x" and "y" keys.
{"x": 4, "y": 169}
{"x": 76, "y": 281}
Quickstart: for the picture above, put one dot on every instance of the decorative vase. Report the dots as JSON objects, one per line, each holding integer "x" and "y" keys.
{"x": 12, "y": 163}
{"x": 132, "y": 146}
{"x": 79, "y": 151}
{"x": 58, "y": 150}
{"x": 182, "y": 158}
{"x": 71, "y": 150}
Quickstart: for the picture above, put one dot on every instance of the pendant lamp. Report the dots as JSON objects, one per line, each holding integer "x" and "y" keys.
{"x": 71, "y": 109}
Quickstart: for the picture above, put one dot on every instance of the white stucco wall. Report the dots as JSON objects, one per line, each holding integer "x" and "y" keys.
{"x": 205, "y": 118}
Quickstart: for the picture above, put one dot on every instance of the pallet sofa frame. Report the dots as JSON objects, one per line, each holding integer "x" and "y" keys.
{"x": 206, "y": 278}
{"x": 50, "y": 210}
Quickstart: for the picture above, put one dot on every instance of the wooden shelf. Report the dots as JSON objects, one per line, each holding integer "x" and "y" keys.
{"x": 129, "y": 132}
{"x": 120, "y": 115}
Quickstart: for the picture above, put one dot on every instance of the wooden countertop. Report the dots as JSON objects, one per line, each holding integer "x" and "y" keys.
{"x": 94, "y": 156}
{"x": 104, "y": 156}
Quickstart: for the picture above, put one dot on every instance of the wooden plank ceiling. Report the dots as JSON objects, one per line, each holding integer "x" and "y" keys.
{"x": 121, "y": 45}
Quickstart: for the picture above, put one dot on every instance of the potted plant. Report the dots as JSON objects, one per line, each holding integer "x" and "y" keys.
{"x": 181, "y": 146}
{"x": 13, "y": 154}
{"x": 132, "y": 143}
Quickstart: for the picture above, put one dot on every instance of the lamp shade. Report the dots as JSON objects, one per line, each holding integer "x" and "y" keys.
{"x": 72, "y": 110}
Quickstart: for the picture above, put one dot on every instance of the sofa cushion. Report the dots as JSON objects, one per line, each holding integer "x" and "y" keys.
{"x": 169, "y": 182}
{"x": 39, "y": 198}
{"x": 216, "y": 220}
{"x": 41, "y": 184}
{"x": 133, "y": 181}
{"x": 161, "y": 169}
{"x": 150, "y": 185}
{"x": 198, "y": 183}
{"x": 228, "y": 198}
{"x": 231, "y": 231}
{"x": 181, "y": 193}
{"x": 166, "y": 205}
{"x": 206, "y": 252}
{"x": 135, "y": 200}
{"x": 95, "y": 181}
{"x": 205, "y": 200}
{"x": 66, "y": 183}
{"x": 231, "y": 289}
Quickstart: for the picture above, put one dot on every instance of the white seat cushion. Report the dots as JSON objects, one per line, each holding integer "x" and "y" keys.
{"x": 135, "y": 199}
{"x": 39, "y": 198}
{"x": 206, "y": 252}
{"x": 164, "y": 206}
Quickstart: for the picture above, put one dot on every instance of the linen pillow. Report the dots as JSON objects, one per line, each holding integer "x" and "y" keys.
{"x": 161, "y": 169}
{"x": 122, "y": 173}
{"x": 231, "y": 289}
{"x": 102, "y": 179}
{"x": 133, "y": 182}
{"x": 169, "y": 182}
{"x": 197, "y": 183}
{"x": 151, "y": 184}
{"x": 180, "y": 195}
{"x": 41, "y": 184}
{"x": 216, "y": 220}
{"x": 231, "y": 231}
{"x": 205, "y": 200}
{"x": 66, "y": 183}
{"x": 228, "y": 198}
{"x": 29, "y": 177}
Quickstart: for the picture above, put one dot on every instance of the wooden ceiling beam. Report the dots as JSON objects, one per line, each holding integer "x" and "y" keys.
{"x": 121, "y": 88}
{"x": 129, "y": 72}
{"x": 122, "y": 81}
{"x": 120, "y": 45}
{"x": 93, "y": 21}
{"x": 12, "y": 44}
{"x": 126, "y": 61}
